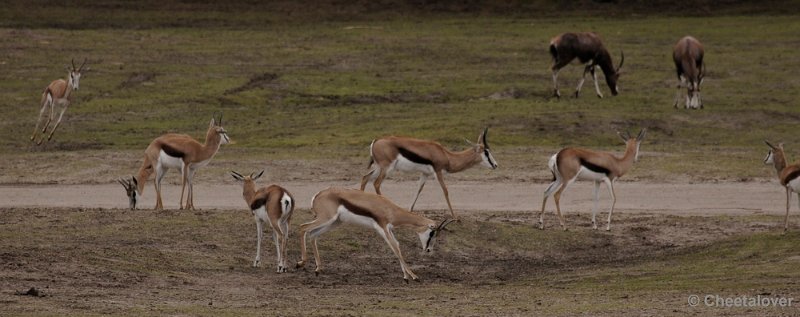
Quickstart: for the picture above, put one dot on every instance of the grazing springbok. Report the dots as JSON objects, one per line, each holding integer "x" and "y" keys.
{"x": 688, "y": 57}
{"x": 787, "y": 175}
{"x": 176, "y": 151}
{"x": 571, "y": 164}
{"x": 589, "y": 50}
{"x": 58, "y": 94}
{"x": 274, "y": 204}
{"x": 334, "y": 206}
{"x": 429, "y": 158}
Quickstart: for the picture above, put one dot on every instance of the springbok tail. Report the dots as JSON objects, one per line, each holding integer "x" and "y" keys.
{"x": 553, "y": 165}
{"x": 287, "y": 206}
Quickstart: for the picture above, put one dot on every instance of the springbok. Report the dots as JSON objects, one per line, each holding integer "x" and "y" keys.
{"x": 787, "y": 175}
{"x": 274, "y": 204}
{"x": 175, "y": 151}
{"x": 334, "y": 206}
{"x": 571, "y": 164}
{"x": 688, "y": 57}
{"x": 589, "y": 50}
{"x": 58, "y": 94}
{"x": 429, "y": 158}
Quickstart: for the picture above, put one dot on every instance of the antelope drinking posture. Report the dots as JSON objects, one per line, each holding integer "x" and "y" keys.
{"x": 571, "y": 164}
{"x": 589, "y": 50}
{"x": 274, "y": 204}
{"x": 688, "y": 57}
{"x": 334, "y": 206}
{"x": 175, "y": 151}
{"x": 429, "y": 158}
{"x": 58, "y": 94}
{"x": 789, "y": 175}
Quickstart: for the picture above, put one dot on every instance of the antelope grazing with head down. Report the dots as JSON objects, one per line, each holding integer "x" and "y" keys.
{"x": 58, "y": 94}
{"x": 788, "y": 175}
{"x": 175, "y": 151}
{"x": 429, "y": 158}
{"x": 334, "y": 206}
{"x": 688, "y": 57}
{"x": 589, "y": 50}
{"x": 571, "y": 164}
{"x": 272, "y": 204}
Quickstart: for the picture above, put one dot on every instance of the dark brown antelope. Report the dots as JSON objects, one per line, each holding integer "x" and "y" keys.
{"x": 688, "y": 57}
{"x": 589, "y": 50}
{"x": 58, "y": 94}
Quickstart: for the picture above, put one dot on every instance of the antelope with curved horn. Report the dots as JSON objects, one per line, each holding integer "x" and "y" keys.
{"x": 688, "y": 57}
{"x": 589, "y": 50}
{"x": 334, "y": 206}
{"x": 58, "y": 94}
{"x": 788, "y": 175}
{"x": 571, "y": 164}
{"x": 272, "y": 204}
{"x": 429, "y": 158}
{"x": 176, "y": 151}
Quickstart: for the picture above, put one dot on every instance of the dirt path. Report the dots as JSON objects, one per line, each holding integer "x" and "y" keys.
{"x": 706, "y": 198}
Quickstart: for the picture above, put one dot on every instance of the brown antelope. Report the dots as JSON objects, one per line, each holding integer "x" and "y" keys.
{"x": 274, "y": 204}
{"x": 429, "y": 158}
{"x": 58, "y": 94}
{"x": 589, "y": 50}
{"x": 176, "y": 151}
{"x": 334, "y": 206}
{"x": 688, "y": 57}
{"x": 571, "y": 164}
{"x": 787, "y": 175}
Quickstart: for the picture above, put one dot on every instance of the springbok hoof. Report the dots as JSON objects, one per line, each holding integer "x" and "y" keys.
{"x": 300, "y": 264}
{"x": 405, "y": 280}
{"x": 316, "y": 272}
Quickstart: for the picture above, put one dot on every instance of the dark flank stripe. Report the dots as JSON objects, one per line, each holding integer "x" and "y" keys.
{"x": 411, "y": 156}
{"x": 594, "y": 168}
{"x": 171, "y": 151}
{"x": 258, "y": 203}
{"x": 794, "y": 174}
{"x": 357, "y": 210}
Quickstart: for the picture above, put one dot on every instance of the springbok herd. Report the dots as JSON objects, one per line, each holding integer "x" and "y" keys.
{"x": 333, "y": 206}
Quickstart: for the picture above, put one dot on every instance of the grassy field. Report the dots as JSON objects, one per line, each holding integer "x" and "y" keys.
{"x": 320, "y": 91}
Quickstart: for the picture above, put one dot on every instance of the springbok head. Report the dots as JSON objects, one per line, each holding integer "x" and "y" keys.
{"x": 612, "y": 79}
{"x": 131, "y": 189}
{"x": 631, "y": 141}
{"x": 215, "y": 130}
{"x": 482, "y": 148}
{"x": 74, "y": 74}
{"x": 773, "y": 152}
{"x": 427, "y": 237}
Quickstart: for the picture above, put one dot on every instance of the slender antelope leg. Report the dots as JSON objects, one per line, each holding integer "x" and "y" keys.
{"x": 678, "y": 93}
{"x": 39, "y": 119}
{"x": 422, "y": 179}
{"x": 556, "y": 93}
{"x": 610, "y": 185}
{"x": 259, "y": 236}
{"x": 557, "y": 198}
{"x": 184, "y": 176}
{"x": 583, "y": 78}
{"x": 190, "y": 195}
{"x": 596, "y": 201}
{"x": 365, "y": 180}
{"x": 388, "y": 235}
{"x": 316, "y": 227}
{"x": 440, "y": 178}
{"x": 596, "y": 85}
{"x": 60, "y": 116}
{"x": 160, "y": 172}
{"x": 786, "y": 218}
{"x": 276, "y": 239}
{"x": 285, "y": 230}
{"x": 549, "y": 191}
{"x": 378, "y": 181}
{"x": 50, "y": 118}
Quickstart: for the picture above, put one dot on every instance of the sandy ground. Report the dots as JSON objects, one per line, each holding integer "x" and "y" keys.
{"x": 679, "y": 199}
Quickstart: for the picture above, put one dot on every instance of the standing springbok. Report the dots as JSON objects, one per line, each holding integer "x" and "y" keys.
{"x": 334, "y": 206}
{"x": 589, "y": 50}
{"x": 688, "y": 57}
{"x": 274, "y": 204}
{"x": 429, "y": 158}
{"x": 58, "y": 94}
{"x": 788, "y": 175}
{"x": 571, "y": 164}
{"x": 176, "y": 151}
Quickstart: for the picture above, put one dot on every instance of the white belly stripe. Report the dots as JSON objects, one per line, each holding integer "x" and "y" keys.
{"x": 169, "y": 161}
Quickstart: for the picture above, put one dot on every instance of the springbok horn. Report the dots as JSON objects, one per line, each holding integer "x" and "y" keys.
{"x": 444, "y": 224}
{"x": 73, "y": 64}
{"x": 769, "y": 144}
{"x": 485, "y": 133}
{"x": 641, "y": 135}
{"x": 84, "y": 63}
{"x": 123, "y": 183}
{"x": 621, "y": 60}
{"x": 220, "y": 119}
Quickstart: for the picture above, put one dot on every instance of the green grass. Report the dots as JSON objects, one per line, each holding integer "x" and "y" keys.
{"x": 333, "y": 86}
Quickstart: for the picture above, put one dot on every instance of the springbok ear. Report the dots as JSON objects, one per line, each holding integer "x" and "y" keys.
{"x": 135, "y": 182}
{"x": 622, "y": 137}
{"x": 780, "y": 145}
{"x": 259, "y": 175}
{"x": 212, "y": 123}
{"x": 641, "y": 134}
